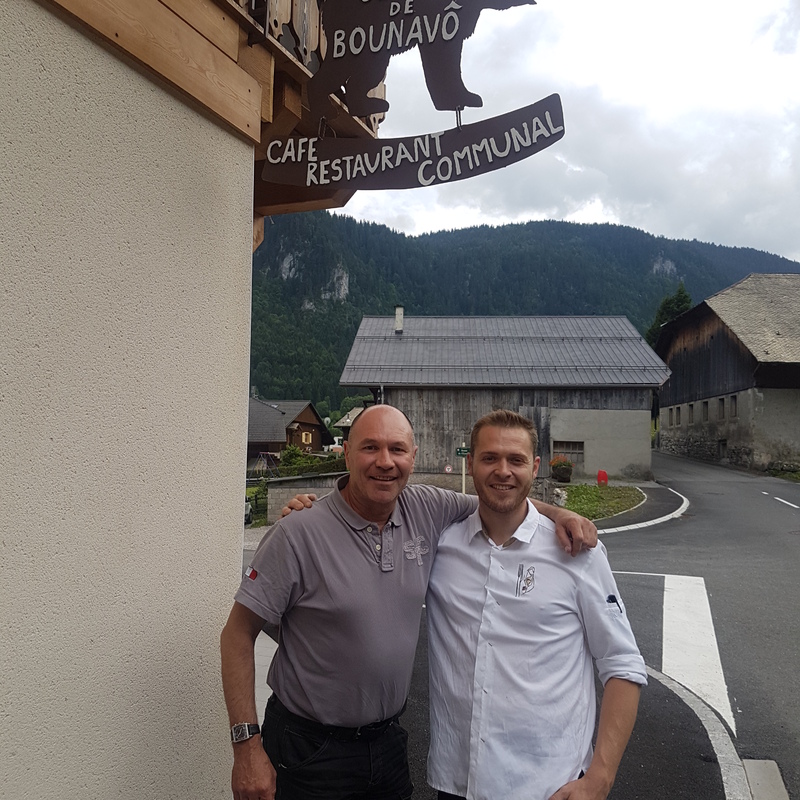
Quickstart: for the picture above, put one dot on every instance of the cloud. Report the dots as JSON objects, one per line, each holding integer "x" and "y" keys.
{"x": 682, "y": 120}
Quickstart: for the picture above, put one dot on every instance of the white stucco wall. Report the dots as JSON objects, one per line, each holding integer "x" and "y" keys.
{"x": 125, "y": 231}
{"x": 776, "y": 426}
{"x": 615, "y": 441}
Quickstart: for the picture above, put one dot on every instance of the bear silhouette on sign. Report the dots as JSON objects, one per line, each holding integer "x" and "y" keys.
{"x": 362, "y": 35}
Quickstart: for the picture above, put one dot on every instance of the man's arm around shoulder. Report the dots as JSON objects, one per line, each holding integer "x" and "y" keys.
{"x": 572, "y": 530}
{"x": 617, "y": 715}
{"x": 253, "y": 776}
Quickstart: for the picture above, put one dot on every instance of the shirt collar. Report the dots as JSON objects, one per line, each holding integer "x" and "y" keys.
{"x": 356, "y": 522}
{"x": 524, "y": 533}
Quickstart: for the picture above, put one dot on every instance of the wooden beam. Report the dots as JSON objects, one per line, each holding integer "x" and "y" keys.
{"x": 258, "y": 62}
{"x": 241, "y": 14}
{"x": 161, "y": 41}
{"x": 271, "y": 198}
{"x": 209, "y": 20}
{"x": 258, "y": 230}
{"x": 289, "y": 206}
{"x": 288, "y": 112}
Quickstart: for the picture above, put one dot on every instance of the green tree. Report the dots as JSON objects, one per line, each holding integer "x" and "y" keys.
{"x": 671, "y": 306}
{"x": 293, "y": 456}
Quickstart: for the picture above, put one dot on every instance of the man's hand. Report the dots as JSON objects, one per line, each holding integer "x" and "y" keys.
{"x": 583, "y": 789}
{"x": 298, "y": 503}
{"x": 573, "y": 531}
{"x": 253, "y": 775}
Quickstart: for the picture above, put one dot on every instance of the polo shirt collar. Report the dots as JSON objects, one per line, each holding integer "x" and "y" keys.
{"x": 355, "y": 521}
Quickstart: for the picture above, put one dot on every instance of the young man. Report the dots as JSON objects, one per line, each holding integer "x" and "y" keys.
{"x": 345, "y": 582}
{"x": 514, "y": 625}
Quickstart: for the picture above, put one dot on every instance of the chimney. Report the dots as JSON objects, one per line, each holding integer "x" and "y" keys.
{"x": 398, "y": 320}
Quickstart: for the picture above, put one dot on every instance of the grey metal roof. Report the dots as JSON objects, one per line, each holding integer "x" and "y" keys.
{"x": 268, "y": 419}
{"x": 764, "y": 312}
{"x": 502, "y": 351}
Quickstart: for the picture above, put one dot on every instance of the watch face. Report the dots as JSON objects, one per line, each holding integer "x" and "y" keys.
{"x": 239, "y": 733}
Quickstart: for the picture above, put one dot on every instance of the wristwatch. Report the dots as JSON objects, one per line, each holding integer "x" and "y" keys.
{"x": 242, "y": 731}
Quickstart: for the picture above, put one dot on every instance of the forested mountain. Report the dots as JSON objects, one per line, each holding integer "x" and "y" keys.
{"x": 316, "y": 274}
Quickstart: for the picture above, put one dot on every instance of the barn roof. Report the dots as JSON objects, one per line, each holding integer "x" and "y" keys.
{"x": 502, "y": 351}
{"x": 763, "y": 310}
{"x": 269, "y": 419}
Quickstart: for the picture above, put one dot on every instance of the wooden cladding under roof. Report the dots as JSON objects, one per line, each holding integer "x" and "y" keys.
{"x": 250, "y": 78}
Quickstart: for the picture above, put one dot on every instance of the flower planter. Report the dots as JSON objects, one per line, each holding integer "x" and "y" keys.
{"x": 561, "y": 474}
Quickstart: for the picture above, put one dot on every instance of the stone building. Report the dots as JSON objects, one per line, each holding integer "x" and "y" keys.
{"x": 734, "y": 391}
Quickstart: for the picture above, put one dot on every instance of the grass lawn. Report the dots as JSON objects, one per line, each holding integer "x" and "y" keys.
{"x": 597, "y": 502}
{"x": 787, "y": 476}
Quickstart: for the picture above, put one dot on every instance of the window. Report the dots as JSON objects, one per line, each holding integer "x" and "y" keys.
{"x": 306, "y": 437}
{"x": 721, "y": 408}
{"x": 572, "y": 450}
{"x": 691, "y": 413}
{"x": 705, "y": 410}
{"x": 733, "y": 406}
{"x": 670, "y": 418}
{"x": 677, "y": 415}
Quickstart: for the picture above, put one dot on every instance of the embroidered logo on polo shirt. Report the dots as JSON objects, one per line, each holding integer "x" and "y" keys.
{"x": 251, "y": 573}
{"x": 416, "y": 548}
{"x": 525, "y": 580}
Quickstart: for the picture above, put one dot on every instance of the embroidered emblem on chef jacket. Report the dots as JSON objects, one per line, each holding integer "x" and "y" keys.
{"x": 416, "y": 548}
{"x": 525, "y": 580}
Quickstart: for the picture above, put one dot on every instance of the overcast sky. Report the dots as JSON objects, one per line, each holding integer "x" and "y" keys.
{"x": 681, "y": 118}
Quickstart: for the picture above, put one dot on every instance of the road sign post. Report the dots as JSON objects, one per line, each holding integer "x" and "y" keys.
{"x": 462, "y": 452}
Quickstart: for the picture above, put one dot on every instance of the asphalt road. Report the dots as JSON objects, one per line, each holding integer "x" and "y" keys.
{"x": 743, "y": 538}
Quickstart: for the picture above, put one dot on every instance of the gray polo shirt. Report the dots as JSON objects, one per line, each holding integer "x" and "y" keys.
{"x": 348, "y": 599}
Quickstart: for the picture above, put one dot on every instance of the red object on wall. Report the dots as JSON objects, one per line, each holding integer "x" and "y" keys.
{"x": 602, "y": 477}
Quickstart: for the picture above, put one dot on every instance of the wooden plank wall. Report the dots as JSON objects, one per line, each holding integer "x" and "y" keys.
{"x": 706, "y": 360}
{"x": 221, "y": 58}
{"x": 192, "y": 44}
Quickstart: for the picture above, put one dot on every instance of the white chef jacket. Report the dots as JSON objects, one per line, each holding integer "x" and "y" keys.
{"x": 512, "y": 634}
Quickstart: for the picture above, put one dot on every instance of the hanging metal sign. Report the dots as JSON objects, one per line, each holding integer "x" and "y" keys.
{"x": 415, "y": 161}
{"x": 362, "y": 35}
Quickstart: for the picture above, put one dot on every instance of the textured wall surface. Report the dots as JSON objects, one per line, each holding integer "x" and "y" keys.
{"x": 125, "y": 229}
{"x": 615, "y": 441}
{"x": 764, "y": 432}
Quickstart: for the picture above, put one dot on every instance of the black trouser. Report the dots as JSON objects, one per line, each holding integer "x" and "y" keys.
{"x": 324, "y": 762}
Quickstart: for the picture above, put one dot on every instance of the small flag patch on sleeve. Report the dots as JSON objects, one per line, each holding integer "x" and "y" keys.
{"x": 251, "y": 573}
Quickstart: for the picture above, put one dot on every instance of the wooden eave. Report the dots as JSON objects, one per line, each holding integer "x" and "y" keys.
{"x": 219, "y": 57}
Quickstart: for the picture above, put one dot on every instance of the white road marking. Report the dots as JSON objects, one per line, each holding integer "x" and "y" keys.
{"x": 766, "y": 782}
{"x": 734, "y": 779}
{"x": 787, "y": 502}
{"x": 689, "y": 645}
{"x": 673, "y": 515}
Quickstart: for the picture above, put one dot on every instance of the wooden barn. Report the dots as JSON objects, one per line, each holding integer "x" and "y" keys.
{"x": 274, "y": 424}
{"x": 587, "y": 382}
{"x": 734, "y": 392}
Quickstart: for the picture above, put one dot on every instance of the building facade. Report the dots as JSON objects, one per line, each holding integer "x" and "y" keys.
{"x": 587, "y": 383}
{"x": 734, "y": 392}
